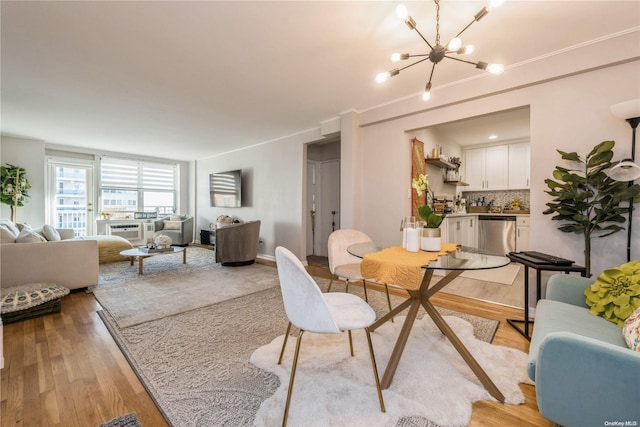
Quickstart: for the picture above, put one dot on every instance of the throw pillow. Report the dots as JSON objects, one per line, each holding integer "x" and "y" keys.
{"x": 7, "y": 235}
{"x": 23, "y": 226}
{"x": 11, "y": 226}
{"x": 631, "y": 331}
{"x": 50, "y": 233}
{"x": 616, "y": 293}
{"x": 27, "y": 296}
{"x": 29, "y": 236}
{"x": 172, "y": 225}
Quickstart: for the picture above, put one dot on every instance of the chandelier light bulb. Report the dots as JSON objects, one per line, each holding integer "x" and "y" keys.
{"x": 382, "y": 77}
{"x": 454, "y": 44}
{"x": 395, "y": 57}
{"x": 427, "y": 92}
{"x": 495, "y": 3}
{"x": 466, "y": 50}
{"x": 402, "y": 12}
{"x": 495, "y": 68}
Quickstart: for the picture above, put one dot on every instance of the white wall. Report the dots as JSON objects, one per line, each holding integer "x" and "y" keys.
{"x": 32, "y": 154}
{"x": 29, "y": 154}
{"x": 571, "y": 113}
{"x": 274, "y": 183}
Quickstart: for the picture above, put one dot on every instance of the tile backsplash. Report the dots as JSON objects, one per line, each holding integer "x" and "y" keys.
{"x": 500, "y": 198}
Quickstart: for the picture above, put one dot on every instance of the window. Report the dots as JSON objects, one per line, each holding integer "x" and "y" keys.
{"x": 129, "y": 186}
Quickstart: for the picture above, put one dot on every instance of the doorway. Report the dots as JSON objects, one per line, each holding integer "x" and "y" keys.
{"x": 70, "y": 195}
{"x": 323, "y": 198}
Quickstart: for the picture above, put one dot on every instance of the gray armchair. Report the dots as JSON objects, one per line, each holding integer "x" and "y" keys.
{"x": 180, "y": 231}
{"x": 237, "y": 244}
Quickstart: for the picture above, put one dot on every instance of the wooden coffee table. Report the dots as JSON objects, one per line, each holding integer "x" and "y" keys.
{"x": 137, "y": 253}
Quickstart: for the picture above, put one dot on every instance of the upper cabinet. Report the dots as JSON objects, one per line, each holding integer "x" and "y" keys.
{"x": 487, "y": 168}
{"x": 519, "y": 165}
{"x": 497, "y": 167}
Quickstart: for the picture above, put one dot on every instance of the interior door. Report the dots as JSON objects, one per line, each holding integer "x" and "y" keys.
{"x": 71, "y": 200}
{"x": 328, "y": 202}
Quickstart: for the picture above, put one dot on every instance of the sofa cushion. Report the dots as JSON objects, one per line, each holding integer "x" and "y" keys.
{"x": 554, "y": 316}
{"x": 29, "y": 236}
{"x": 26, "y": 296}
{"x": 8, "y": 231}
{"x": 172, "y": 225}
{"x": 50, "y": 233}
{"x": 616, "y": 293}
{"x": 7, "y": 235}
{"x": 631, "y": 331}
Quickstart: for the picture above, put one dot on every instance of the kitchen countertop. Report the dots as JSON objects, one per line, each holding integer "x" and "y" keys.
{"x": 453, "y": 215}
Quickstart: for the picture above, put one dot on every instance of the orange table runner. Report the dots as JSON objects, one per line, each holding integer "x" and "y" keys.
{"x": 399, "y": 266}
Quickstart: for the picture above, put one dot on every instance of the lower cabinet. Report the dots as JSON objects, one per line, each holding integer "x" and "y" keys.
{"x": 462, "y": 230}
{"x": 522, "y": 233}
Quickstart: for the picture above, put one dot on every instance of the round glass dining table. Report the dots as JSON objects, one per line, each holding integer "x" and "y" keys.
{"x": 383, "y": 263}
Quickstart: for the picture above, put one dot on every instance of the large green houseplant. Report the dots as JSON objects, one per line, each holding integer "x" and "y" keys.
{"x": 14, "y": 187}
{"x": 586, "y": 200}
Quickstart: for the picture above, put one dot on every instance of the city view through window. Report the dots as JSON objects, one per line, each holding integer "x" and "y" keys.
{"x": 73, "y": 206}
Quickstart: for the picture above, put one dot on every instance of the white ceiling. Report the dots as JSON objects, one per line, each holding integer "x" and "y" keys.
{"x": 188, "y": 80}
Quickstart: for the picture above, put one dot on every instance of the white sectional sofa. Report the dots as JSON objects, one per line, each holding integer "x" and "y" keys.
{"x": 68, "y": 262}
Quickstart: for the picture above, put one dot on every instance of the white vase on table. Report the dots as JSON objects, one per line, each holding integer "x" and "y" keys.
{"x": 431, "y": 240}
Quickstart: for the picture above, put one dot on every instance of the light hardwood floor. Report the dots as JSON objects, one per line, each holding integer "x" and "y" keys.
{"x": 65, "y": 370}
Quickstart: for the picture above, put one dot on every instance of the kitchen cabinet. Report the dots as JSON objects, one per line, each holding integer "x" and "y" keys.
{"x": 519, "y": 165}
{"x": 487, "y": 168}
{"x": 522, "y": 233}
{"x": 462, "y": 230}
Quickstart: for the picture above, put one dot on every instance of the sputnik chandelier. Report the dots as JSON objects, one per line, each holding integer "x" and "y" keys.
{"x": 439, "y": 52}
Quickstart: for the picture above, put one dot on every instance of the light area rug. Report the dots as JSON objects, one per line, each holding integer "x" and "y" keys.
{"x": 196, "y": 367}
{"x": 504, "y": 275}
{"x": 168, "y": 265}
{"x": 149, "y": 298}
{"x": 432, "y": 381}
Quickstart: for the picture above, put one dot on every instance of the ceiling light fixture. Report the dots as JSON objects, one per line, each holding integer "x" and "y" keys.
{"x": 439, "y": 52}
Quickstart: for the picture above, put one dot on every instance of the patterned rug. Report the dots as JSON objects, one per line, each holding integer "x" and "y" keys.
{"x": 196, "y": 367}
{"x": 128, "y": 420}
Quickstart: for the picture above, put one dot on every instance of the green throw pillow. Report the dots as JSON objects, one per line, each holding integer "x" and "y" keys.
{"x": 616, "y": 293}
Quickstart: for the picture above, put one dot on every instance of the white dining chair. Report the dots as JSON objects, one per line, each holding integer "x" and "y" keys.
{"x": 345, "y": 266}
{"x": 310, "y": 310}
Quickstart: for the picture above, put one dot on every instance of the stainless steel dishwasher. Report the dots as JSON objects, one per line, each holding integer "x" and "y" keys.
{"x": 497, "y": 233}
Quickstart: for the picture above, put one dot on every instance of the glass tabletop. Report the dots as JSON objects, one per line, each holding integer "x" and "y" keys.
{"x": 463, "y": 258}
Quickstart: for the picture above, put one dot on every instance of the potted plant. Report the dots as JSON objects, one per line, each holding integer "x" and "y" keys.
{"x": 431, "y": 237}
{"x": 13, "y": 187}
{"x": 586, "y": 200}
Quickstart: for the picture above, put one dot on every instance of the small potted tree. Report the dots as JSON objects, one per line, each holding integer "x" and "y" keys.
{"x": 586, "y": 200}
{"x": 14, "y": 187}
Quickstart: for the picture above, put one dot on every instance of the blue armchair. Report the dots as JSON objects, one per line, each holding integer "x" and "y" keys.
{"x": 584, "y": 372}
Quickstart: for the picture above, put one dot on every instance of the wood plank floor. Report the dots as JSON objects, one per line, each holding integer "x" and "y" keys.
{"x": 65, "y": 370}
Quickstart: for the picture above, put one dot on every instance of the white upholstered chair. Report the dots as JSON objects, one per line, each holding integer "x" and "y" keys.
{"x": 310, "y": 310}
{"x": 345, "y": 266}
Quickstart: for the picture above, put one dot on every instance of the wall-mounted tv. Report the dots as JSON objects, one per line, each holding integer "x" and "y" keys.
{"x": 226, "y": 189}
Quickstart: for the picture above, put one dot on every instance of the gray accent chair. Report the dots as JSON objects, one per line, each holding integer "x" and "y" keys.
{"x": 179, "y": 237}
{"x": 237, "y": 244}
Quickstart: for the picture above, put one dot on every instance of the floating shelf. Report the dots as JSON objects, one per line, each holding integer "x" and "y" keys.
{"x": 441, "y": 163}
{"x": 459, "y": 183}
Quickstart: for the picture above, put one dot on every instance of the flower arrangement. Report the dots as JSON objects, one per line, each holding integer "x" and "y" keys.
{"x": 163, "y": 241}
{"x": 421, "y": 186}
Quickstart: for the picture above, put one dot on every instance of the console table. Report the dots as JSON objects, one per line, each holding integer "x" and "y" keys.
{"x": 539, "y": 269}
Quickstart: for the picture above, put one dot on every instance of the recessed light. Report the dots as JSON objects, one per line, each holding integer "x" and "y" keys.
{"x": 493, "y": 136}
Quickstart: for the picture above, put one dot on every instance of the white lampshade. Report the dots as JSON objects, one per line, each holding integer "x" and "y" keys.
{"x": 625, "y": 171}
{"x": 627, "y": 109}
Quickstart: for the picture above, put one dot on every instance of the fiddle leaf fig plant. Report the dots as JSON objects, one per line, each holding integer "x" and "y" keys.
{"x": 586, "y": 200}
